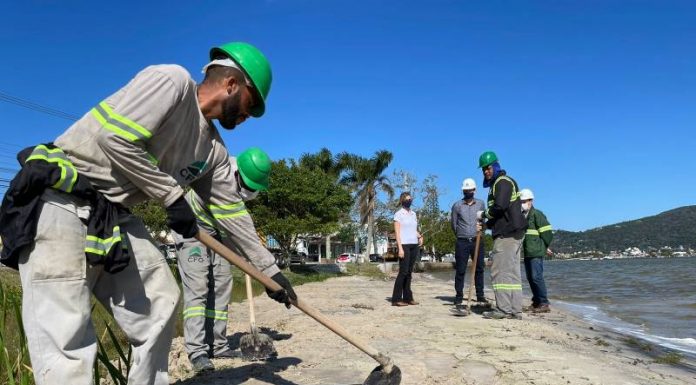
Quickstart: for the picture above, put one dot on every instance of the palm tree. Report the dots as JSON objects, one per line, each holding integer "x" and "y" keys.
{"x": 325, "y": 161}
{"x": 367, "y": 178}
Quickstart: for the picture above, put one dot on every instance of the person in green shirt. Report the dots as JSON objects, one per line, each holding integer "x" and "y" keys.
{"x": 536, "y": 245}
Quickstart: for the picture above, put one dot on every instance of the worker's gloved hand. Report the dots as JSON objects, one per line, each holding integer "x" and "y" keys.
{"x": 285, "y": 294}
{"x": 181, "y": 219}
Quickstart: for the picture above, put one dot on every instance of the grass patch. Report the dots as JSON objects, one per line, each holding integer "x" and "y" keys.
{"x": 646, "y": 347}
{"x": 369, "y": 270}
{"x": 671, "y": 358}
{"x": 600, "y": 342}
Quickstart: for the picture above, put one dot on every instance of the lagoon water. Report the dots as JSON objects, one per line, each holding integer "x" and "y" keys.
{"x": 647, "y": 298}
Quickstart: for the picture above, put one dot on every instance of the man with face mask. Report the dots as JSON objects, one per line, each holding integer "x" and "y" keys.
{"x": 537, "y": 240}
{"x": 465, "y": 226}
{"x": 504, "y": 217}
{"x": 206, "y": 276}
{"x": 147, "y": 140}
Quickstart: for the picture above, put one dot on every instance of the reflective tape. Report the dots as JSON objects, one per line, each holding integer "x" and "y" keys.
{"x": 545, "y": 228}
{"x": 68, "y": 173}
{"x": 532, "y": 232}
{"x": 96, "y": 245}
{"x": 228, "y": 211}
{"x": 507, "y": 287}
{"x": 199, "y": 211}
{"x": 200, "y": 311}
{"x": 120, "y": 125}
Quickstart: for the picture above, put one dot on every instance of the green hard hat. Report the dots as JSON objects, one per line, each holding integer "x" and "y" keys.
{"x": 487, "y": 158}
{"x": 254, "y": 166}
{"x": 254, "y": 64}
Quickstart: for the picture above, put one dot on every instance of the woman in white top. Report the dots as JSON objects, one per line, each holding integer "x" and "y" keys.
{"x": 409, "y": 241}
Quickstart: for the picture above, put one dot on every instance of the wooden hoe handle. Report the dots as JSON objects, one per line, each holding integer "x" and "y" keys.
{"x": 270, "y": 284}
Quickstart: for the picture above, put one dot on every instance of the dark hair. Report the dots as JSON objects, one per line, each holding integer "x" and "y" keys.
{"x": 403, "y": 196}
{"x": 216, "y": 73}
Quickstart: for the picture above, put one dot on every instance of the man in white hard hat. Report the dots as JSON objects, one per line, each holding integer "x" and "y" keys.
{"x": 465, "y": 226}
{"x": 536, "y": 245}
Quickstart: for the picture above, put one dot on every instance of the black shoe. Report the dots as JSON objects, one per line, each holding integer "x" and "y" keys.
{"x": 482, "y": 300}
{"x": 202, "y": 364}
{"x": 458, "y": 300}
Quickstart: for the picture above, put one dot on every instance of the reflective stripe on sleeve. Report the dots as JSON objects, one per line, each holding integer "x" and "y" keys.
{"x": 68, "y": 173}
{"x": 544, "y": 228}
{"x": 228, "y": 211}
{"x": 120, "y": 125}
{"x": 532, "y": 232}
{"x": 200, "y": 212}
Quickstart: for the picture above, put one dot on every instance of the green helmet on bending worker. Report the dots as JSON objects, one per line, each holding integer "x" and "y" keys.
{"x": 254, "y": 167}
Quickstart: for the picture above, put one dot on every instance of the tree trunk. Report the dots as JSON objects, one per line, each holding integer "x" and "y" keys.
{"x": 370, "y": 227}
{"x": 328, "y": 247}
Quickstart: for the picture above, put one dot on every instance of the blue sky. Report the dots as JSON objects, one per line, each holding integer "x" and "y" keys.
{"x": 592, "y": 104}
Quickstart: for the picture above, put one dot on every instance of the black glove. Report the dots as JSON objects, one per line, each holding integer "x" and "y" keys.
{"x": 181, "y": 219}
{"x": 285, "y": 294}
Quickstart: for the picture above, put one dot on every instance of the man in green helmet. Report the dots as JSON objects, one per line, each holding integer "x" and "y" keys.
{"x": 147, "y": 140}
{"x": 206, "y": 276}
{"x": 505, "y": 219}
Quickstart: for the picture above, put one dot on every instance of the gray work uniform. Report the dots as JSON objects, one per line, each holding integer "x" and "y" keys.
{"x": 144, "y": 141}
{"x": 207, "y": 278}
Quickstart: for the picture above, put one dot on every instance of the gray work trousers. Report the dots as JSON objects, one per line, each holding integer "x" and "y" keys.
{"x": 505, "y": 274}
{"x": 207, "y": 285}
{"x": 57, "y": 285}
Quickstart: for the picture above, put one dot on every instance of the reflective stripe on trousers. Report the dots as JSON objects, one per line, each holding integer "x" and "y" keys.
{"x": 207, "y": 284}
{"x": 505, "y": 274}
{"x": 57, "y": 286}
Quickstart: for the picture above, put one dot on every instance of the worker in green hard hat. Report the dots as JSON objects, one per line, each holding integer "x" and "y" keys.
{"x": 206, "y": 276}
{"x": 504, "y": 217}
{"x": 149, "y": 140}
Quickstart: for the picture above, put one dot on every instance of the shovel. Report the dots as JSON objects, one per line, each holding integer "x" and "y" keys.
{"x": 460, "y": 310}
{"x": 254, "y": 346}
{"x": 385, "y": 374}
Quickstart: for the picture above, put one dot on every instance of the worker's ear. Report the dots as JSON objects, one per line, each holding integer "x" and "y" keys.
{"x": 231, "y": 84}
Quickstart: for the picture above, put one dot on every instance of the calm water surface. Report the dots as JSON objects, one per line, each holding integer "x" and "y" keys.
{"x": 651, "y": 299}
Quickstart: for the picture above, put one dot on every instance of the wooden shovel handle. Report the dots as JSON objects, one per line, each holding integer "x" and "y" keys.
{"x": 270, "y": 284}
{"x": 250, "y": 298}
{"x": 473, "y": 268}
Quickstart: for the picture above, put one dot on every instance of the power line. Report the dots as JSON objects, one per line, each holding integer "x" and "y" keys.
{"x": 5, "y": 97}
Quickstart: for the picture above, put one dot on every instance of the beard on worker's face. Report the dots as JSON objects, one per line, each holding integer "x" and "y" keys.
{"x": 230, "y": 111}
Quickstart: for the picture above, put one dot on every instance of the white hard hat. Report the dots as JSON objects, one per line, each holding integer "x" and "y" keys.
{"x": 469, "y": 184}
{"x": 526, "y": 194}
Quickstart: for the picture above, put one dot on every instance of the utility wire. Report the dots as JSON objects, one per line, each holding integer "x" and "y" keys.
{"x": 5, "y": 97}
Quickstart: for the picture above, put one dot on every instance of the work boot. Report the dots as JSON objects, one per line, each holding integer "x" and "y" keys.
{"x": 202, "y": 364}
{"x": 529, "y": 308}
{"x": 482, "y": 301}
{"x": 543, "y": 308}
{"x": 399, "y": 303}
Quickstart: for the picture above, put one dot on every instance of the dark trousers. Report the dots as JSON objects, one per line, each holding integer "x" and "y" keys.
{"x": 402, "y": 286}
{"x": 463, "y": 251}
{"x": 534, "y": 267}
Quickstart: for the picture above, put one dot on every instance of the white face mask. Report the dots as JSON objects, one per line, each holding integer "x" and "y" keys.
{"x": 247, "y": 195}
{"x": 526, "y": 206}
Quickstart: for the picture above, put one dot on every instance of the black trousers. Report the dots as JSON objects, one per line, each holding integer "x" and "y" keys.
{"x": 463, "y": 251}
{"x": 402, "y": 286}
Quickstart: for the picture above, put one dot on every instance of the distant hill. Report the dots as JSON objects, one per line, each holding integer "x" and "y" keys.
{"x": 672, "y": 228}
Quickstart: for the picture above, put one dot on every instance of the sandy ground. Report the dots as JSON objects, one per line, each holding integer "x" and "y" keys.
{"x": 428, "y": 344}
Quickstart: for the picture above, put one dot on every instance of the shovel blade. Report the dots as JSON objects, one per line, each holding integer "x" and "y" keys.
{"x": 379, "y": 376}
